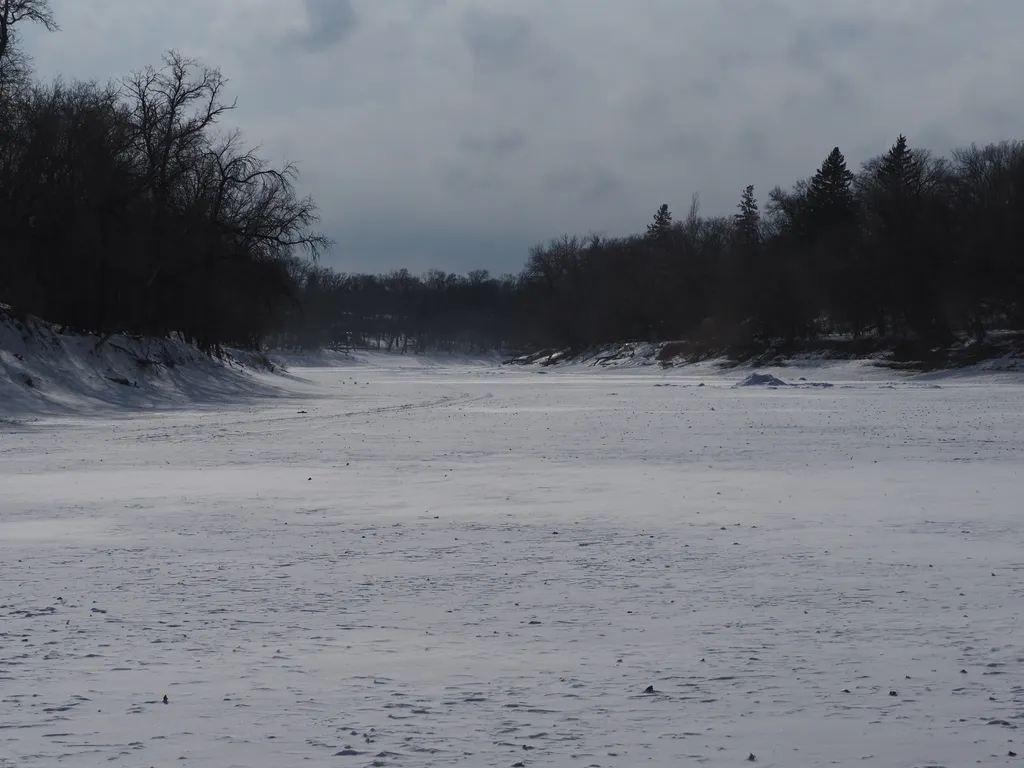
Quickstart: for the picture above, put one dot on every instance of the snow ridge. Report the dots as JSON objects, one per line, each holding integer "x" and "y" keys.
{"x": 47, "y": 373}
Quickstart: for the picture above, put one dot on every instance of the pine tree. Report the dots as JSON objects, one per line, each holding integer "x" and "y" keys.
{"x": 748, "y": 220}
{"x": 662, "y": 223}
{"x": 830, "y": 231}
{"x": 831, "y": 188}
{"x": 830, "y": 205}
{"x": 895, "y": 167}
{"x": 899, "y": 172}
{"x": 902, "y": 237}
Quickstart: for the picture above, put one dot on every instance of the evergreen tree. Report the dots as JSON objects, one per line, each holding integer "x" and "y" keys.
{"x": 895, "y": 169}
{"x": 899, "y": 173}
{"x": 830, "y": 194}
{"x": 662, "y": 223}
{"x": 748, "y": 220}
{"x": 904, "y": 241}
{"x": 832, "y": 260}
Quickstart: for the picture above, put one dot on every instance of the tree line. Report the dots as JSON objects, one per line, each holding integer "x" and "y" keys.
{"x": 911, "y": 248}
{"x": 126, "y": 208}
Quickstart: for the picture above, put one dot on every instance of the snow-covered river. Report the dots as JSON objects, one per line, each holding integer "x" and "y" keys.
{"x": 400, "y": 565}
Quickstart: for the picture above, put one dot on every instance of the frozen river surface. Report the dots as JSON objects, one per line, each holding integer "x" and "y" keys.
{"x": 402, "y": 565}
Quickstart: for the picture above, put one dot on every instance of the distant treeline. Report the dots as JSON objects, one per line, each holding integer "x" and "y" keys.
{"x": 913, "y": 247}
{"x": 124, "y": 209}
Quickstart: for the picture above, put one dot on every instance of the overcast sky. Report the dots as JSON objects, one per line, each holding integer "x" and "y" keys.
{"x": 456, "y": 133}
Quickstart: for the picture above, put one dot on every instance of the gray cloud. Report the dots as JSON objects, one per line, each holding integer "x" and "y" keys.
{"x": 817, "y": 43}
{"x": 329, "y": 22}
{"x": 586, "y": 185}
{"x": 456, "y": 133}
{"x": 497, "y": 40}
{"x": 496, "y": 144}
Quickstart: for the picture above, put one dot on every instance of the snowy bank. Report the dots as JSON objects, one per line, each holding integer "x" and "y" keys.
{"x": 1000, "y": 353}
{"x": 45, "y": 372}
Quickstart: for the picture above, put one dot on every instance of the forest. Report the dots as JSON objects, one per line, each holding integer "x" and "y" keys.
{"x": 128, "y": 208}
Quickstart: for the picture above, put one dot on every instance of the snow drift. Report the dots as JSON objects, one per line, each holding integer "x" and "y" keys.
{"x": 45, "y": 372}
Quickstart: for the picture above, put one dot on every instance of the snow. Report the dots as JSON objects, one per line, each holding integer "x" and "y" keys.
{"x": 44, "y": 373}
{"x": 769, "y": 380}
{"x": 761, "y": 380}
{"x": 389, "y": 562}
{"x": 353, "y": 358}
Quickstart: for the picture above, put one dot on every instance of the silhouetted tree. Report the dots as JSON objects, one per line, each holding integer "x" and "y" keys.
{"x": 662, "y": 222}
{"x": 122, "y": 210}
{"x": 14, "y": 62}
{"x": 748, "y": 220}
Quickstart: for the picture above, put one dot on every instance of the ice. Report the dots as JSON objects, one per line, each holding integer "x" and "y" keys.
{"x": 384, "y": 562}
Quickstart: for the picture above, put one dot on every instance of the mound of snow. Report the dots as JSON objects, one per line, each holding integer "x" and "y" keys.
{"x": 767, "y": 380}
{"x": 762, "y": 380}
{"x": 46, "y": 373}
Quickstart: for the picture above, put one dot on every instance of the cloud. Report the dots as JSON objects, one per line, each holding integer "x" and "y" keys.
{"x": 497, "y": 40}
{"x": 497, "y": 144}
{"x": 456, "y": 133}
{"x": 586, "y": 185}
{"x": 329, "y": 22}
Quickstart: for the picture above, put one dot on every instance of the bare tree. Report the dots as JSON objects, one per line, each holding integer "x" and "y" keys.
{"x": 14, "y": 63}
{"x": 173, "y": 109}
{"x": 14, "y": 12}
